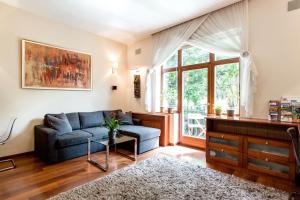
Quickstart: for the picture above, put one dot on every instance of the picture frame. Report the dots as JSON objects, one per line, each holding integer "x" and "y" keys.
{"x": 50, "y": 67}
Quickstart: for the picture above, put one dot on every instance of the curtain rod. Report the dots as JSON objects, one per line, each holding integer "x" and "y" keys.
{"x": 195, "y": 18}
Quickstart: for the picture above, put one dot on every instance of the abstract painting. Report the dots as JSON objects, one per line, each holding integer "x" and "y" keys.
{"x": 48, "y": 67}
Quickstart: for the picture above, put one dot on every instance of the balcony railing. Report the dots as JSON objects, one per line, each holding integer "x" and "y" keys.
{"x": 194, "y": 120}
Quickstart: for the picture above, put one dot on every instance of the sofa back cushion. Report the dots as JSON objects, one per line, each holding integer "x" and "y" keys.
{"x": 109, "y": 114}
{"x": 125, "y": 118}
{"x": 91, "y": 119}
{"x": 59, "y": 122}
{"x": 46, "y": 122}
{"x": 74, "y": 120}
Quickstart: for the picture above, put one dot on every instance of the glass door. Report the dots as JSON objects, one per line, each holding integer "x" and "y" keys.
{"x": 195, "y": 82}
{"x": 194, "y": 103}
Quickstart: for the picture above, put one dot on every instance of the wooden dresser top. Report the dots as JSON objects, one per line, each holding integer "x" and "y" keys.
{"x": 251, "y": 120}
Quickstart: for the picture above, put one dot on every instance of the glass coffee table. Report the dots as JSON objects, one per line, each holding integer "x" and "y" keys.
{"x": 120, "y": 138}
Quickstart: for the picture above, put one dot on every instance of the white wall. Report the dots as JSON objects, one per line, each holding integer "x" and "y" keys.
{"x": 31, "y": 105}
{"x": 275, "y": 43}
{"x": 141, "y": 62}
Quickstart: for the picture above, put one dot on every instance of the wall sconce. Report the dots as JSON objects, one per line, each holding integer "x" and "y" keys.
{"x": 114, "y": 87}
{"x": 115, "y": 66}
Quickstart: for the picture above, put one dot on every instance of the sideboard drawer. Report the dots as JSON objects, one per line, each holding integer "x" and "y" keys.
{"x": 270, "y": 166}
{"x": 278, "y": 150}
{"x": 222, "y": 155}
{"x": 224, "y": 141}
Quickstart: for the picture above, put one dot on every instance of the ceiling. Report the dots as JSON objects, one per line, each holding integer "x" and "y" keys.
{"x": 125, "y": 21}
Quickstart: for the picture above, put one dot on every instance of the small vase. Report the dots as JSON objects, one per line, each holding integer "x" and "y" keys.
{"x": 161, "y": 109}
{"x": 230, "y": 113}
{"x": 170, "y": 110}
{"x": 112, "y": 136}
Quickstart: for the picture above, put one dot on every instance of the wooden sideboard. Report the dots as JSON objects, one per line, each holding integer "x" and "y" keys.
{"x": 156, "y": 120}
{"x": 253, "y": 145}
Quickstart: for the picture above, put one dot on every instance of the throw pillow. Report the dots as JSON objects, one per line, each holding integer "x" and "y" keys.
{"x": 125, "y": 118}
{"x": 109, "y": 114}
{"x": 60, "y": 123}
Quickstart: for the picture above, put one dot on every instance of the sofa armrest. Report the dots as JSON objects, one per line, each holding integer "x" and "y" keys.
{"x": 137, "y": 122}
{"x": 45, "y": 139}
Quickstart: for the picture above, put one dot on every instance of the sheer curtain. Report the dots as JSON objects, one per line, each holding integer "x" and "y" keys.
{"x": 224, "y": 31}
{"x": 165, "y": 44}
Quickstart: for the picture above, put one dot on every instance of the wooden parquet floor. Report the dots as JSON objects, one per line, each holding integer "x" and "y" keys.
{"x": 32, "y": 179}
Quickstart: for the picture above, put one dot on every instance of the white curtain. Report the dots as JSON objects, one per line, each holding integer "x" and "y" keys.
{"x": 152, "y": 91}
{"x": 165, "y": 44}
{"x": 224, "y": 31}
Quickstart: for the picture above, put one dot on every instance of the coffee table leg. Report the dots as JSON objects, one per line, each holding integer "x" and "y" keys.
{"x": 89, "y": 150}
{"x": 135, "y": 148}
{"x": 95, "y": 163}
{"x": 106, "y": 156}
{"x": 134, "y": 157}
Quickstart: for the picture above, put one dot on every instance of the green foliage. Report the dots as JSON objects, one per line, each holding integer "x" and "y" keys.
{"x": 112, "y": 124}
{"x": 218, "y": 109}
{"x": 222, "y": 57}
{"x": 170, "y": 88}
{"x": 195, "y": 87}
{"x": 193, "y": 55}
{"x": 227, "y": 84}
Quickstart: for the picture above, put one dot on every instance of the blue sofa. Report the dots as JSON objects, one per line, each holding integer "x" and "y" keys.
{"x": 51, "y": 146}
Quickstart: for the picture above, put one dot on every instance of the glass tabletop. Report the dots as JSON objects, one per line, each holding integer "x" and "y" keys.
{"x": 120, "y": 138}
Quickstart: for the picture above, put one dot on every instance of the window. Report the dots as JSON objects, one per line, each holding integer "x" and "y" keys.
{"x": 193, "y": 55}
{"x": 172, "y": 62}
{"x": 169, "y": 91}
{"x": 227, "y": 88}
{"x": 223, "y": 57}
{"x": 198, "y": 83}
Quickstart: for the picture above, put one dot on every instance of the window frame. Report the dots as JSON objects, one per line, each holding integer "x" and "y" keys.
{"x": 211, "y": 65}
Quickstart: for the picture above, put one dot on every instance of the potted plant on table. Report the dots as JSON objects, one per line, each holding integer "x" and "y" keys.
{"x": 218, "y": 110}
{"x": 112, "y": 126}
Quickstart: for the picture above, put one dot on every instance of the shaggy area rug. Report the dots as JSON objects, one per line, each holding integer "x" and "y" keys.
{"x": 166, "y": 177}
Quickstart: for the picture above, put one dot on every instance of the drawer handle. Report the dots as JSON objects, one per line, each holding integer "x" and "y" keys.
{"x": 267, "y": 142}
{"x": 267, "y": 160}
{"x": 222, "y": 150}
{"x": 222, "y": 136}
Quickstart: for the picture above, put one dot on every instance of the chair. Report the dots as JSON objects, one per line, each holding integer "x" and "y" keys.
{"x": 3, "y": 140}
{"x": 194, "y": 123}
{"x": 294, "y": 135}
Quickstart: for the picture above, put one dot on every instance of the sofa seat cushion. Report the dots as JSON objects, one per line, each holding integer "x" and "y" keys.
{"x": 98, "y": 132}
{"x": 73, "y": 138}
{"x": 140, "y": 132}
